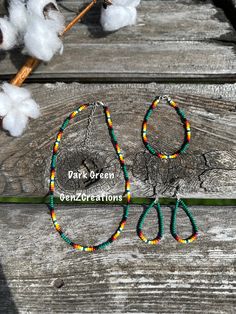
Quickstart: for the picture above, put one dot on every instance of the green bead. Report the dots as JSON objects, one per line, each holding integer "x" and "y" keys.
{"x": 54, "y": 158}
{"x": 126, "y": 211}
{"x": 125, "y": 172}
{"x": 51, "y": 200}
{"x": 148, "y": 114}
{"x": 149, "y": 147}
{"x": 113, "y": 135}
{"x": 181, "y": 113}
{"x": 65, "y": 124}
{"x": 185, "y": 147}
{"x": 64, "y": 237}
{"x": 103, "y": 245}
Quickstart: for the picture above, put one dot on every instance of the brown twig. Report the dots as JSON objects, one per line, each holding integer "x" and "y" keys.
{"x": 32, "y": 63}
{"x": 79, "y": 17}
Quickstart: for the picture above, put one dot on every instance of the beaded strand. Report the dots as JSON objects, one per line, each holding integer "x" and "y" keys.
{"x": 122, "y": 223}
{"x": 185, "y": 122}
{"x": 174, "y": 223}
{"x": 141, "y": 221}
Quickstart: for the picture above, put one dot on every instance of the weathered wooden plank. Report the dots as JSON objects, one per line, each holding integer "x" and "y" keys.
{"x": 172, "y": 40}
{"x": 154, "y": 22}
{"x": 127, "y": 277}
{"x": 207, "y": 170}
{"x": 197, "y": 18}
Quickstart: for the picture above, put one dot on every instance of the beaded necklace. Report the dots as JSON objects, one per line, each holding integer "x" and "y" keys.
{"x": 122, "y": 223}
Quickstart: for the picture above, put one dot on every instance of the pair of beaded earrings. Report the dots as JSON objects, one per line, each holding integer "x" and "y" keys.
{"x": 116, "y": 146}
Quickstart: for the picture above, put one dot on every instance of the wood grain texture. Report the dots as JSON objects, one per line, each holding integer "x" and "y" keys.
{"x": 207, "y": 170}
{"x": 127, "y": 277}
{"x": 172, "y": 40}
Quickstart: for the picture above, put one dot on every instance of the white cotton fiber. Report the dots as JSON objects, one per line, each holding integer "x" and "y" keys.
{"x": 18, "y": 15}
{"x": 8, "y": 34}
{"x": 15, "y": 122}
{"x": 58, "y": 19}
{"x": 126, "y": 3}
{"x": 41, "y": 37}
{"x": 115, "y": 17}
{"x": 30, "y": 108}
{"x": 16, "y": 93}
{"x": 16, "y": 106}
{"x": 37, "y": 6}
{"x": 120, "y": 14}
{"x": 5, "y": 104}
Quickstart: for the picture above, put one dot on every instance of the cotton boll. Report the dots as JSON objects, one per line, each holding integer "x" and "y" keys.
{"x": 121, "y": 13}
{"x": 17, "y": 94}
{"x": 30, "y": 108}
{"x": 45, "y": 24}
{"x": 38, "y": 7}
{"x": 21, "y": 99}
{"x": 47, "y": 9}
{"x": 5, "y": 104}
{"x": 8, "y": 34}
{"x": 16, "y": 106}
{"x": 15, "y": 122}
{"x": 116, "y": 16}
{"x": 18, "y": 15}
{"x": 41, "y": 38}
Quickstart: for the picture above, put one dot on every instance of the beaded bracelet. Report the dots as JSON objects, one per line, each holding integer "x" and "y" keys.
{"x": 53, "y": 175}
{"x": 160, "y": 218}
{"x": 185, "y": 122}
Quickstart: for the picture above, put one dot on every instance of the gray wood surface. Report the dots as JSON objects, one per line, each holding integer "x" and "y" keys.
{"x": 172, "y": 40}
{"x": 127, "y": 277}
{"x": 206, "y": 170}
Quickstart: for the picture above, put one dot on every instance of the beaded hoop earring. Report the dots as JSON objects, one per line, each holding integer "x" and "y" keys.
{"x": 185, "y": 122}
{"x": 173, "y": 227}
{"x": 53, "y": 175}
{"x": 160, "y": 218}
